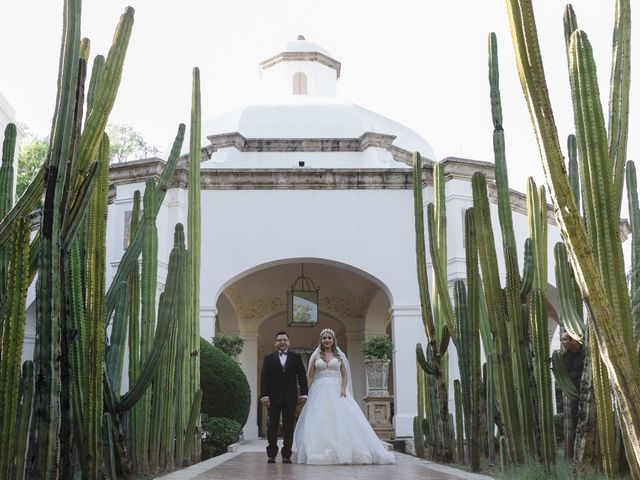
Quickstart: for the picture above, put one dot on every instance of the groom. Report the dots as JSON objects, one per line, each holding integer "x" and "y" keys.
{"x": 279, "y": 392}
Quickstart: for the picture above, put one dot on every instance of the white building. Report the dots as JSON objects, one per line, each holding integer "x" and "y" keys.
{"x": 308, "y": 178}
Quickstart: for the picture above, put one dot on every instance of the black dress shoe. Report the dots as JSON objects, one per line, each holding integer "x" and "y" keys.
{"x": 271, "y": 460}
{"x": 286, "y": 460}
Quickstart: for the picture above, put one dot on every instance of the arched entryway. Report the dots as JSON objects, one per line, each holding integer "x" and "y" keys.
{"x": 253, "y": 305}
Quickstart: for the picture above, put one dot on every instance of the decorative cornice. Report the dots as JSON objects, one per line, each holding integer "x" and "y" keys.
{"x": 136, "y": 171}
{"x": 366, "y": 140}
{"x": 325, "y": 178}
{"x": 301, "y": 57}
{"x": 268, "y": 178}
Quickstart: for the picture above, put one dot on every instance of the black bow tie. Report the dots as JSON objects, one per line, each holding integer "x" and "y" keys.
{"x": 283, "y": 353}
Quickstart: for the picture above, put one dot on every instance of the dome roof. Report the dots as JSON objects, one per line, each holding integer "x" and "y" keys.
{"x": 303, "y": 45}
{"x": 311, "y": 118}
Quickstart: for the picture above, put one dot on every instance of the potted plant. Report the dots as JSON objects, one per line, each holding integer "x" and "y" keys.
{"x": 376, "y": 351}
{"x": 232, "y": 345}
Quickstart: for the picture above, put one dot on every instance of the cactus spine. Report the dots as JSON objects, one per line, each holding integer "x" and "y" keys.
{"x": 595, "y": 253}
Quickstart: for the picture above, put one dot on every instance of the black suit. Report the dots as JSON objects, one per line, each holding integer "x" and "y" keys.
{"x": 280, "y": 384}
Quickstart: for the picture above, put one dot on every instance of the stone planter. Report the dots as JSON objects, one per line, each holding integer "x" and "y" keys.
{"x": 377, "y": 370}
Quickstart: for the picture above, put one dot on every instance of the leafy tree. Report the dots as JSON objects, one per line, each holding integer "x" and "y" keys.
{"x": 126, "y": 143}
{"x": 30, "y": 159}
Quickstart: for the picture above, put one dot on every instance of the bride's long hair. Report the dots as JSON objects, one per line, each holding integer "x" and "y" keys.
{"x": 334, "y": 345}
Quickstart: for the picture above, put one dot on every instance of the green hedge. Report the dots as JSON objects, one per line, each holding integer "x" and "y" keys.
{"x": 225, "y": 390}
{"x": 217, "y": 435}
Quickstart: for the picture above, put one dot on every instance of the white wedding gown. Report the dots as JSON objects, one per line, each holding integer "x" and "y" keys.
{"x": 332, "y": 429}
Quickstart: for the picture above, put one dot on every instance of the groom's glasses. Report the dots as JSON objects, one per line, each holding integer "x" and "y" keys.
{"x": 282, "y": 339}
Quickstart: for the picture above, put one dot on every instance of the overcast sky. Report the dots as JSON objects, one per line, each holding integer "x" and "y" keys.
{"x": 422, "y": 63}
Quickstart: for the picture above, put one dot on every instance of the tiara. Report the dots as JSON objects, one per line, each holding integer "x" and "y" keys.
{"x": 328, "y": 330}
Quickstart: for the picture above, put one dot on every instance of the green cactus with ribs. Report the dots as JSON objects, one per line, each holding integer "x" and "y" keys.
{"x": 593, "y": 244}
{"x": 66, "y": 406}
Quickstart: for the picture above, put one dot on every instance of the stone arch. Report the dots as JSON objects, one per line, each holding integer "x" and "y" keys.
{"x": 306, "y": 260}
{"x": 377, "y": 318}
{"x": 252, "y": 304}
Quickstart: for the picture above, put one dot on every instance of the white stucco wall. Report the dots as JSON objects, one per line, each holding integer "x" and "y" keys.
{"x": 370, "y": 232}
{"x": 278, "y": 80}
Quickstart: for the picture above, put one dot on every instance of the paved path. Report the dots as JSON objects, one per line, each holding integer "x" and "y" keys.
{"x": 248, "y": 462}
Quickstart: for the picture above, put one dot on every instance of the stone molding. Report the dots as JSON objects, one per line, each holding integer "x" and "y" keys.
{"x": 303, "y": 178}
{"x": 301, "y": 57}
{"x": 366, "y": 140}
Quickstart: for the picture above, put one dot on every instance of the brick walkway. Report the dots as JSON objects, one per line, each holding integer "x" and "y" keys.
{"x": 249, "y": 462}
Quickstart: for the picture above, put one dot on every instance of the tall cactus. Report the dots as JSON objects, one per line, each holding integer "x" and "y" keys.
{"x": 137, "y": 444}
{"x": 47, "y": 350}
{"x": 497, "y": 311}
{"x": 513, "y": 284}
{"x": 418, "y": 433}
{"x": 66, "y": 199}
{"x": 70, "y": 367}
{"x": 172, "y": 304}
{"x": 596, "y": 253}
{"x": 192, "y": 334}
{"x": 457, "y": 391}
{"x": 443, "y": 435}
{"x": 537, "y": 210}
{"x": 6, "y": 196}
{"x": 148, "y": 287}
{"x": 12, "y": 336}
{"x": 27, "y": 387}
{"x": 634, "y": 220}
{"x": 469, "y": 335}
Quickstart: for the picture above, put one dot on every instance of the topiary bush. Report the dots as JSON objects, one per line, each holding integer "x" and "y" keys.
{"x": 217, "y": 434}
{"x": 225, "y": 390}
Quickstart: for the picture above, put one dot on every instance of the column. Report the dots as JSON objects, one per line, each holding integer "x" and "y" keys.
{"x": 208, "y": 321}
{"x": 249, "y": 364}
{"x": 407, "y": 328}
{"x": 354, "y": 347}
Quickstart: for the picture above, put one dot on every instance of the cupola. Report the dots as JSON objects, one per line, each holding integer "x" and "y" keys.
{"x": 303, "y": 68}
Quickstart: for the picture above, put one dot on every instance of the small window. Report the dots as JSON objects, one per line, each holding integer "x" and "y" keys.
{"x": 127, "y": 227}
{"x": 299, "y": 83}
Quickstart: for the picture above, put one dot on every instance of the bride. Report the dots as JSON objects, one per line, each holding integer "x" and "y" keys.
{"x": 331, "y": 428}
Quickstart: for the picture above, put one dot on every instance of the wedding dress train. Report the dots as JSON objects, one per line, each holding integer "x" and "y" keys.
{"x": 332, "y": 429}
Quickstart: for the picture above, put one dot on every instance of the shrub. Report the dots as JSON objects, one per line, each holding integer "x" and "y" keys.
{"x": 225, "y": 390}
{"x": 217, "y": 434}
{"x": 377, "y": 347}
{"x": 232, "y": 345}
